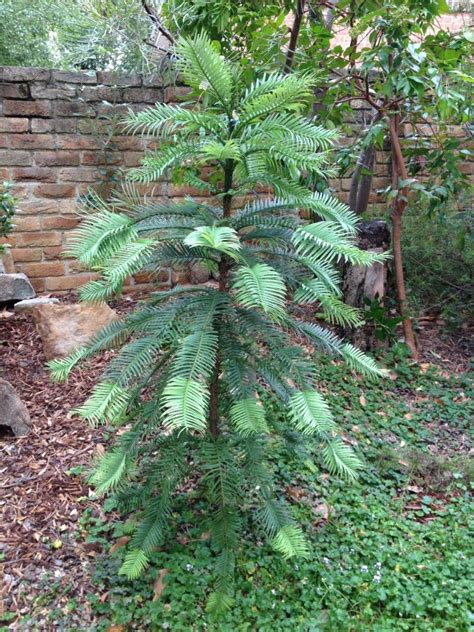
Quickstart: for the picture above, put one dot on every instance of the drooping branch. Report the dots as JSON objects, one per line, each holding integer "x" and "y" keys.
{"x": 155, "y": 18}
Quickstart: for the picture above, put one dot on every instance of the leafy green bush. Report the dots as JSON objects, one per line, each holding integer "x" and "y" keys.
{"x": 7, "y": 211}
{"x": 191, "y": 381}
{"x": 439, "y": 261}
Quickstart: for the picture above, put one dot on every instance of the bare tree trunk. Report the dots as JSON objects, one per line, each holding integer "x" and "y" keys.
{"x": 223, "y": 281}
{"x": 361, "y": 183}
{"x": 399, "y": 205}
{"x": 295, "y": 31}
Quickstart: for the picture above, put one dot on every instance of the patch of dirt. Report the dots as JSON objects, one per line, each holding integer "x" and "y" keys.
{"x": 452, "y": 351}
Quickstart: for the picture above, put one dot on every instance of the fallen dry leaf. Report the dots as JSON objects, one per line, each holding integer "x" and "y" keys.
{"x": 123, "y": 541}
{"x": 322, "y": 510}
{"x": 362, "y": 400}
{"x": 159, "y": 585}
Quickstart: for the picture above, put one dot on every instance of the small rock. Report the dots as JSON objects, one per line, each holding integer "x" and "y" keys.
{"x": 13, "y": 412}
{"x": 64, "y": 328}
{"x": 15, "y": 287}
{"x": 24, "y": 306}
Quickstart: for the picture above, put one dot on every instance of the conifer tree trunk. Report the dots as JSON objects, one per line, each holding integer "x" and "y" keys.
{"x": 399, "y": 205}
{"x": 223, "y": 280}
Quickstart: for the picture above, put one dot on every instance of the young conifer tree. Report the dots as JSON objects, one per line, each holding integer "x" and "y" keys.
{"x": 196, "y": 363}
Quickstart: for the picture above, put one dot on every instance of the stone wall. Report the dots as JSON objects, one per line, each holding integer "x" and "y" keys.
{"x": 60, "y": 134}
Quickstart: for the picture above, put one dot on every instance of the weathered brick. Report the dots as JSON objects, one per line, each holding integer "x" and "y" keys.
{"x": 43, "y": 91}
{"x": 20, "y": 191}
{"x": 39, "y": 285}
{"x": 14, "y": 125}
{"x": 74, "y": 77}
{"x": 42, "y": 126}
{"x": 174, "y": 94}
{"x": 26, "y": 224}
{"x": 129, "y": 143}
{"x": 467, "y": 168}
{"x": 44, "y": 269}
{"x": 52, "y": 252}
{"x": 111, "y": 109}
{"x": 26, "y": 254}
{"x": 14, "y": 91}
{"x": 133, "y": 158}
{"x": 174, "y": 190}
{"x": 60, "y": 126}
{"x": 143, "y": 95}
{"x": 101, "y": 93}
{"x": 74, "y": 266}
{"x": 68, "y": 207}
{"x": 32, "y": 141}
{"x": 79, "y": 174}
{"x": 116, "y": 79}
{"x": 60, "y": 222}
{"x": 14, "y": 73}
{"x": 73, "y": 108}
{"x": 27, "y": 108}
{"x": 70, "y": 282}
{"x": 54, "y": 191}
{"x": 40, "y": 174}
{"x": 38, "y": 207}
{"x": 74, "y": 141}
{"x": 153, "y": 81}
{"x": 4, "y": 138}
{"x": 88, "y": 126}
{"x": 100, "y": 158}
{"x": 56, "y": 158}
{"x": 16, "y": 158}
{"x": 38, "y": 239}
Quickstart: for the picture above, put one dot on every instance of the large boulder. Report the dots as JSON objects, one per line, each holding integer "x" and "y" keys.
{"x": 15, "y": 287}
{"x": 13, "y": 412}
{"x": 64, "y": 328}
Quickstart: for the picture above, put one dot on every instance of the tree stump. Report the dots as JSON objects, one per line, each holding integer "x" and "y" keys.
{"x": 360, "y": 283}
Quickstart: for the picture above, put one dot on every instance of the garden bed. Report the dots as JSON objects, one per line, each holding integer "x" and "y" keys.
{"x": 53, "y": 535}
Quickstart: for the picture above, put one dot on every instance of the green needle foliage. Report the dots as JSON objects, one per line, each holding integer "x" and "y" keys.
{"x": 197, "y": 364}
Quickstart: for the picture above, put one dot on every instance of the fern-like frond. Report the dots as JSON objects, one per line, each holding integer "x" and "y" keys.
{"x": 290, "y": 542}
{"x": 221, "y": 238}
{"x": 165, "y": 118}
{"x": 340, "y": 458}
{"x": 108, "y": 403}
{"x": 184, "y": 404}
{"x": 204, "y": 69}
{"x": 327, "y": 240}
{"x": 310, "y": 413}
{"x": 260, "y": 286}
{"x": 361, "y": 362}
{"x": 248, "y": 417}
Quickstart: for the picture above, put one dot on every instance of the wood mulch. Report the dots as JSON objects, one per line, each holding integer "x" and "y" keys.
{"x": 42, "y": 499}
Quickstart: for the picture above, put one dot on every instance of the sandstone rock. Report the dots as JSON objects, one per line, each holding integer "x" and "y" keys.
{"x": 64, "y": 328}
{"x": 13, "y": 412}
{"x": 25, "y": 306}
{"x": 15, "y": 287}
